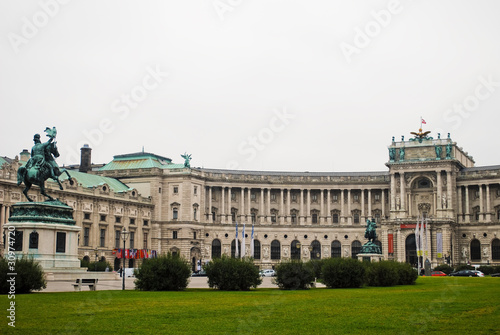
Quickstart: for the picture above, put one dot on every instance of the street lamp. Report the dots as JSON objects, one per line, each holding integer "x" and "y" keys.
{"x": 124, "y": 234}
{"x": 96, "y": 252}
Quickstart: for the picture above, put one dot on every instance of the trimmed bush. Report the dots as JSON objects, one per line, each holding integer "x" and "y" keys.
{"x": 315, "y": 265}
{"x": 232, "y": 274}
{"x": 383, "y": 273}
{"x": 29, "y": 276}
{"x": 98, "y": 266}
{"x": 464, "y": 267}
{"x": 445, "y": 268}
{"x": 343, "y": 273}
{"x": 294, "y": 275}
{"x": 407, "y": 274}
{"x": 165, "y": 273}
{"x": 489, "y": 270}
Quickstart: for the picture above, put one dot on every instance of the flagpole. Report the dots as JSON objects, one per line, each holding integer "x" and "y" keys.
{"x": 236, "y": 253}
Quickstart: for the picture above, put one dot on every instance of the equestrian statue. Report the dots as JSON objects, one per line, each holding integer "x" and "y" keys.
{"x": 371, "y": 247}
{"x": 42, "y": 165}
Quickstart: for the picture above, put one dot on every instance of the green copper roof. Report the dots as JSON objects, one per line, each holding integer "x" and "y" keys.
{"x": 92, "y": 180}
{"x": 3, "y": 160}
{"x": 140, "y": 160}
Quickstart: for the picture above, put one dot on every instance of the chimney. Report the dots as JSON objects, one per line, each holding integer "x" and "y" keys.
{"x": 85, "y": 160}
{"x": 25, "y": 155}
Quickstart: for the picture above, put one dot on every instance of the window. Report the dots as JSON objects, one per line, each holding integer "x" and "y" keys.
{"x": 86, "y": 216}
{"x": 194, "y": 214}
{"x": 213, "y": 216}
{"x": 253, "y": 196}
{"x": 295, "y": 250}
{"x": 377, "y": 197}
{"x": 423, "y": 183}
{"x": 61, "y": 242}
{"x": 216, "y": 249}
{"x": 33, "y": 240}
{"x": 233, "y": 249}
{"x": 117, "y": 238}
{"x": 86, "y": 234}
{"x": 103, "y": 217}
{"x": 314, "y": 198}
{"x": 118, "y": 219}
{"x": 294, "y": 218}
{"x": 335, "y": 197}
{"x": 356, "y": 218}
{"x": 273, "y": 196}
{"x": 233, "y": 216}
{"x": 132, "y": 235}
{"x": 377, "y": 217}
{"x": 194, "y": 235}
{"x": 132, "y": 221}
{"x": 254, "y": 217}
{"x": 294, "y": 197}
{"x": 356, "y": 197}
{"x": 275, "y": 250}
{"x": 174, "y": 234}
{"x": 316, "y": 250}
{"x": 315, "y": 218}
{"x": 256, "y": 249}
{"x": 336, "y": 249}
{"x": 145, "y": 240}
{"x": 355, "y": 249}
{"x": 495, "y": 249}
{"x": 273, "y": 218}
{"x": 18, "y": 240}
{"x": 145, "y": 222}
{"x": 475, "y": 250}
{"x": 103, "y": 238}
{"x": 176, "y": 189}
{"x": 233, "y": 196}
{"x": 335, "y": 218}
{"x": 195, "y": 190}
{"x": 175, "y": 214}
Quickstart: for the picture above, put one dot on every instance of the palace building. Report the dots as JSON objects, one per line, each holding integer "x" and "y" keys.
{"x": 295, "y": 215}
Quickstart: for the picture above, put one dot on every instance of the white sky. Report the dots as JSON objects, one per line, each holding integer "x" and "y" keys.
{"x": 233, "y": 64}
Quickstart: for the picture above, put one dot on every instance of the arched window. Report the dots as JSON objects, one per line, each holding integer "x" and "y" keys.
{"x": 275, "y": 249}
{"x": 495, "y": 249}
{"x": 233, "y": 249}
{"x": 336, "y": 249}
{"x": 475, "y": 250}
{"x": 316, "y": 250}
{"x": 295, "y": 249}
{"x": 216, "y": 249}
{"x": 411, "y": 250}
{"x": 256, "y": 249}
{"x": 355, "y": 249}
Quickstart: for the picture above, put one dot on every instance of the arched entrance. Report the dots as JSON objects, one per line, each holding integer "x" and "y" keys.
{"x": 295, "y": 250}
{"x": 117, "y": 264}
{"x": 411, "y": 250}
{"x": 316, "y": 250}
{"x": 195, "y": 256}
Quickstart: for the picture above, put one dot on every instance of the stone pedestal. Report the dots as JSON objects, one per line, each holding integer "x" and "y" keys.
{"x": 47, "y": 232}
{"x": 370, "y": 257}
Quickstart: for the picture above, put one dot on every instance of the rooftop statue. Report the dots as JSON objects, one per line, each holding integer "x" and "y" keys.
{"x": 420, "y": 136}
{"x": 42, "y": 165}
{"x": 187, "y": 159}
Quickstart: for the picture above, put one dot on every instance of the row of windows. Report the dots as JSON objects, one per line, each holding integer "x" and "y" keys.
{"x": 293, "y": 217}
{"x": 295, "y": 197}
{"x": 295, "y": 249}
{"x": 118, "y": 241}
{"x": 118, "y": 219}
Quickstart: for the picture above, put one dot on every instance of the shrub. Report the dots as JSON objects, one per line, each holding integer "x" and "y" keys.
{"x": 232, "y": 274}
{"x": 445, "y": 268}
{"x": 463, "y": 267}
{"x": 488, "y": 270}
{"x": 315, "y": 265}
{"x": 29, "y": 276}
{"x": 98, "y": 266}
{"x": 383, "y": 273}
{"x": 294, "y": 275}
{"x": 165, "y": 273}
{"x": 343, "y": 273}
{"x": 407, "y": 274}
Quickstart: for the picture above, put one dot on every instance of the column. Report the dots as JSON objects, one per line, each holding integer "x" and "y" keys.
{"x": 261, "y": 210}
{"x": 449, "y": 196}
{"x": 402, "y": 190}
{"x": 268, "y": 209}
{"x": 229, "y": 204}
{"x": 328, "y": 208}
{"x": 349, "y": 214}
{"x": 488, "y": 207}
{"x": 393, "y": 192}
{"x": 369, "y": 203}
{"x": 342, "y": 212}
{"x": 282, "y": 211}
{"x": 467, "y": 211}
{"x": 362, "y": 219}
{"x": 242, "y": 205}
{"x": 223, "y": 205}
{"x": 308, "y": 211}
{"x": 249, "y": 202}
{"x": 289, "y": 195}
{"x": 439, "y": 200}
{"x": 459, "y": 204}
{"x": 481, "y": 203}
{"x": 210, "y": 218}
{"x": 321, "y": 207}
{"x": 382, "y": 198}
{"x": 302, "y": 206}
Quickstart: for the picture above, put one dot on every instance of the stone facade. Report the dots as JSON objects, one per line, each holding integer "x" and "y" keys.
{"x": 193, "y": 211}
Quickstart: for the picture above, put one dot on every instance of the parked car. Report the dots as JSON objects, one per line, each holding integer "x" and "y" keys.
{"x": 467, "y": 273}
{"x": 200, "y": 273}
{"x": 495, "y": 275}
{"x": 437, "y": 274}
{"x": 267, "y": 273}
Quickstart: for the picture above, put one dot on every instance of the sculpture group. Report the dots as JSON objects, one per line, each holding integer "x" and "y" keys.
{"x": 42, "y": 165}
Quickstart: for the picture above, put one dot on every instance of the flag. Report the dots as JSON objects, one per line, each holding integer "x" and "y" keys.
{"x": 423, "y": 121}
{"x": 417, "y": 242}
{"x": 252, "y": 251}
{"x": 243, "y": 247}
{"x": 439, "y": 243}
{"x": 236, "y": 253}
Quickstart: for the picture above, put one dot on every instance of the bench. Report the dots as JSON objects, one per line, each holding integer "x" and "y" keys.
{"x": 91, "y": 283}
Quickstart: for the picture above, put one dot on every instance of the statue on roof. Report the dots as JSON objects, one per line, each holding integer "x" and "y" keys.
{"x": 420, "y": 136}
{"x": 42, "y": 165}
{"x": 187, "y": 159}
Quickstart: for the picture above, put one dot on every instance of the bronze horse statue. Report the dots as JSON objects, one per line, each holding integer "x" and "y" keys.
{"x": 370, "y": 232}
{"x": 38, "y": 175}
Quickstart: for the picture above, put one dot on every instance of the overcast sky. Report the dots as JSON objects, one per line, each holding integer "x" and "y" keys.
{"x": 253, "y": 85}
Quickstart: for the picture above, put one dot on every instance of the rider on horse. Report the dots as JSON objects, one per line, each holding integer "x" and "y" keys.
{"x": 40, "y": 156}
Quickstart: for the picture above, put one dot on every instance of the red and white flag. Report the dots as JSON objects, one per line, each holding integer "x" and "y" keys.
{"x": 423, "y": 121}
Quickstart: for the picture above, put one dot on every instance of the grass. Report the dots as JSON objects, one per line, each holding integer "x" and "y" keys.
{"x": 444, "y": 305}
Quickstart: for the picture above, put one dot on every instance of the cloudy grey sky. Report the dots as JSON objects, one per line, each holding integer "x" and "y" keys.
{"x": 253, "y": 85}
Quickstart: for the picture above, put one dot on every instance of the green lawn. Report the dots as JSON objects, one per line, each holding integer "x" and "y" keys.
{"x": 444, "y": 305}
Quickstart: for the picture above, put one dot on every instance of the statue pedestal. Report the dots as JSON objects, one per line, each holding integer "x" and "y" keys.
{"x": 370, "y": 257}
{"x": 47, "y": 232}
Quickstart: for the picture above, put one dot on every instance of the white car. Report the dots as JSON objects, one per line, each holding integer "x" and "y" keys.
{"x": 268, "y": 273}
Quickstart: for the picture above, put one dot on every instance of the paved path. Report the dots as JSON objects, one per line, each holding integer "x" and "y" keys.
{"x": 195, "y": 282}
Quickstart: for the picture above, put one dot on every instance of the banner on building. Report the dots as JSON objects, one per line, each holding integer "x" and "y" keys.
{"x": 390, "y": 240}
{"x": 439, "y": 244}
{"x": 134, "y": 253}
